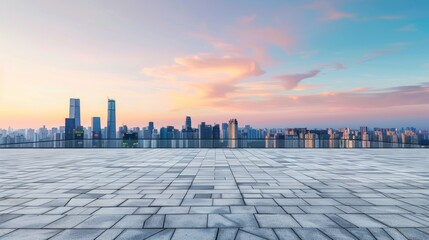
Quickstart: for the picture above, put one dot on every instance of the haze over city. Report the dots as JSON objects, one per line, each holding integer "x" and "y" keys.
{"x": 277, "y": 64}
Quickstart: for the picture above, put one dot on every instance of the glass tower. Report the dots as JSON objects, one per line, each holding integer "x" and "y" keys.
{"x": 75, "y": 111}
{"x": 111, "y": 121}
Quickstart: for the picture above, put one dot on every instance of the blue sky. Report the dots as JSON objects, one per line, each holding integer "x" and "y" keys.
{"x": 267, "y": 63}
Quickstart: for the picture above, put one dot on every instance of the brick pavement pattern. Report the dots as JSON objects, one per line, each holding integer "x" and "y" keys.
{"x": 214, "y": 194}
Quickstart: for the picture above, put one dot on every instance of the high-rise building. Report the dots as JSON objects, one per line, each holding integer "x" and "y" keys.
{"x": 216, "y": 136}
{"x": 233, "y": 133}
{"x": 205, "y": 134}
{"x": 96, "y": 132}
{"x": 69, "y": 134}
{"x": 188, "y": 123}
{"x": 111, "y": 123}
{"x": 96, "y": 124}
{"x": 225, "y": 135}
{"x": 75, "y": 111}
{"x": 150, "y": 127}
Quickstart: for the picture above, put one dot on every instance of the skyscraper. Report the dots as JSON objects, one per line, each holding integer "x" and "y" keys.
{"x": 96, "y": 132}
{"x": 233, "y": 133}
{"x": 188, "y": 123}
{"x": 75, "y": 111}
{"x": 111, "y": 122}
{"x": 69, "y": 134}
{"x": 150, "y": 128}
{"x": 206, "y": 136}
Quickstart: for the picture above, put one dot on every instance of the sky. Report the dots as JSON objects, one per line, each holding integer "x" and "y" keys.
{"x": 267, "y": 63}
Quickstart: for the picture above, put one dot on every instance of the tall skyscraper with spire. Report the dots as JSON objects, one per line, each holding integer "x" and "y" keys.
{"x": 233, "y": 133}
{"x": 111, "y": 121}
{"x": 75, "y": 111}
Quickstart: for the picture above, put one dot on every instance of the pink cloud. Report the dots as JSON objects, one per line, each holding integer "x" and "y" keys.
{"x": 291, "y": 81}
{"x": 329, "y": 10}
{"x": 352, "y": 100}
{"x": 374, "y": 54}
{"x": 247, "y": 19}
{"x": 211, "y": 76}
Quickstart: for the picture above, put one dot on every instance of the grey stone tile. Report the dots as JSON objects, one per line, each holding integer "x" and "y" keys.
{"x": 137, "y": 203}
{"x": 186, "y": 221}
{"x": 286, "y": 234}
{"x": 138, "y": 233}
{"x": 30, "y": 221}
{"x": 132, "y": 221}
{"x": 314, "y": 221}
{"x": 100, "y": 221}
{"x": 200, "y": 234}
{"x": 173, "y": 210}
{"x": 379, "y": 234}
{"x": 361, "y": 220}
{"x": 270, "y": 209}
{"x": 84, "y": 234}
{"x": 35, "y": 234}
{"x": 165, "y": 234}
{"x": 338, "y": 233}
{"x": 231, "y": 220}
{"x": 109, "y": 234}
{"x": 395, "y": 220}
{"x": 106, "y": 203}
{"x": 415, "y": 234}
{"x": 394, "y": 234}
{"x": 166, "y": 202}
{"x": 115, "y": 210}
{"x": 214, "y": 209}
{"x": 276, "y": 221}
{"x": 243, "y": 209}
{"x": 154, "y": 221}
{"x": 361, "y": 233}
{"x": 311, "y": 234}
{"x": 227, "y": 233}
{"x": 5, "y": 231}
{"x": 68, "y": 221}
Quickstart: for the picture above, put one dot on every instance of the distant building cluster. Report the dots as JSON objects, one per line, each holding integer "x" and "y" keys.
{"x": 74, "y": 135}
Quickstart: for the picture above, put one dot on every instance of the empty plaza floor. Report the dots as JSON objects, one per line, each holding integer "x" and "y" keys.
{"x": 214, "y": 194}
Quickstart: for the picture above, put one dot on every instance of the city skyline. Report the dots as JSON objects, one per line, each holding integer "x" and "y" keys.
{"x": 314, "y": 64}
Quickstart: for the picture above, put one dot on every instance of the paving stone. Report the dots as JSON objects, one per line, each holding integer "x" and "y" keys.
{"x": 361, "y": 220}
{"x": 35, "y": 234}
{"x": 185, "y": 221}
{"x": 132, "y": 221}
{"x": 165, "y": 234}
{"x": 395, "y": 220}
{"x": 415, "y": 234}
{"x": 209, "y": 210}
{"x": 361, "y": 233}
{"x": 314, "y": 221}
{"x": 100, "y": 221}
{"x": 338, "y": 233}
{"x": 68, "y": 221}
{"x": 84, "y": 234}
{"x": 155, "y": 221}
{"x": 109, "y": 234}
{"x": 286, "y": 234}
{"x": 200, "y": 234}
{"x": 227, "y": 233}
{"x": 240, "y": 193}
{"x": 231, "y": 220}
{"x": 173, "y": 210}
{"x": 137, "y": 234}
{"x": 30, "y": 221}
{"x": 311, "y": 234}
{"x": 276, "y": 221}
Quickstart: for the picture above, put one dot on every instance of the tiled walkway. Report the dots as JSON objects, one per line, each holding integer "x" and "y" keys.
{"x": 214, "y": 194}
